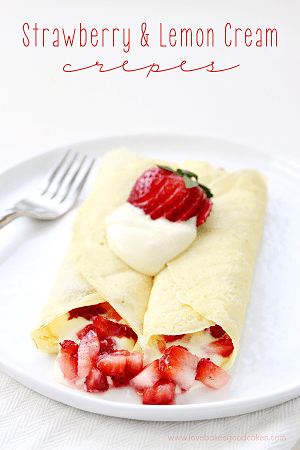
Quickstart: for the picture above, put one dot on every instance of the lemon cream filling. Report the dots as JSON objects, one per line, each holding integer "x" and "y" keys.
{"x": 195, "y": 343}
{"x": 144, "y": 244}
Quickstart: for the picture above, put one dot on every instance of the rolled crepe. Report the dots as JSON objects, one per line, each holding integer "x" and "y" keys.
{"x": 210, "y": 282}
{"x": 207, "y": 284}
{"x": 90, "y": 272}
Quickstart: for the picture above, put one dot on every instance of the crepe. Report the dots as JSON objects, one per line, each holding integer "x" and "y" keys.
{"x": 90, "y": 272}
{"x": 210, "y": 282}
{"x": 207, "y": 284}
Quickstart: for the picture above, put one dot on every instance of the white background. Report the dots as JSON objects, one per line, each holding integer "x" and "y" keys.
{"x": 42, "y": 107}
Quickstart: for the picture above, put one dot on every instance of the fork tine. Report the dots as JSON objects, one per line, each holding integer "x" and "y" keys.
{"x": 72, "y": 189}
{"x": 54, "y": 171}
{"x": 76, "y": 191}
{"x": 60, "y": 182}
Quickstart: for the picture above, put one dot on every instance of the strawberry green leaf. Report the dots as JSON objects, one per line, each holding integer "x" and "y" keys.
{"x": 166, "y": 168}
{"x": 187, "y": 172}
{"x": 188, "y": 181}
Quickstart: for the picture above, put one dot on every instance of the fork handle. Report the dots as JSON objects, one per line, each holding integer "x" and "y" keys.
{"x": 7, "y": 216}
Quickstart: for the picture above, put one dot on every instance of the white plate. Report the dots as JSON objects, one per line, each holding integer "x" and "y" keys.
{"x": 267, "y": 370}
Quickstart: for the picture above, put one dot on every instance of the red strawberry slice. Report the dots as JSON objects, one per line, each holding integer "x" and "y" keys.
{"x": 223, "y": 347}
{"x": 134, "y": 364}
{"x": 88, "y": 349}
{"x": 162, "y": 393}
{"x": 106, "y": 327}
{"x": 101, "y": 326}
{"x": 68, "y": 359}
{"x": 216, "y": 331}
{"x": 161, "y": 345}
{"x": 147, "y": 377}
{"x": 179, "y": 365}
{"x": 88, "y": 312}
{"x": 81, "y": 333}
{"x": 163, "y": 193}
{"x": 96, "y": 381}
{"x": 68, "y": 347}
{"x": 172, "y": 338}
{"x": 211, "y": 375}
{"x": 112, "y": 364}
{"x": 110, "y": 312}
{"x": 107, "y": 345}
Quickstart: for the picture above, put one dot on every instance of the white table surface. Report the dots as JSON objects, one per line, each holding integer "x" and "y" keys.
{"x": 42, "y": 107}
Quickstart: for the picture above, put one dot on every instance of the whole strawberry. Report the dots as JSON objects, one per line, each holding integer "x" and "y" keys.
{"x": 176, "y": 196}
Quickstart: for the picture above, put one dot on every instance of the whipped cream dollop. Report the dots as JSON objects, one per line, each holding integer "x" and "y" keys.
{"x": 146, "y": 245}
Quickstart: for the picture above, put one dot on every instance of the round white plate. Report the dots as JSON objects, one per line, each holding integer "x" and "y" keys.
{"x": 267, "y": 370}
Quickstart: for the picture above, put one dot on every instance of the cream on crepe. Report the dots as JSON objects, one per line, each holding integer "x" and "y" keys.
{"x": 210, "y": 282}
{"x": 91, "y": 273}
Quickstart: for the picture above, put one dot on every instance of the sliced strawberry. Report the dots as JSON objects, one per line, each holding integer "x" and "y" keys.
{"x": 101, "y": 325}
{"x": 147, "y": 377}
{"x": 107, "y": 345}
{"x": 81, "y": 333}
{"x": 68, "y": 359}
{"x": 179, "y": 365}
{"x": 110, "y": 312}
{"x": 96, "y": 381}
{"x": 161, "y": 192}
{"x": 88, "y": 312}
{"x": 112, "y": 364}
{"x": 223, "y": 347}
{"x": 162, "y": 393}
{"x": 88, "y": 349}
{"x": 106, "y": 327}
{"x": 172, "y": 338}
{"x": 211, "y": 375}
{"x": 202, "y": 215}
{"x": 216, "y": 331}
{"x": 134, "y": 364}
{"x": 161, "y": 345}
{"x": 69, "y": 347}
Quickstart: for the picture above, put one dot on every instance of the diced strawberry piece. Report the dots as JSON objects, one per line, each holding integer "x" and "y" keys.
{"x": 101, "y": 325}
{"x": 179, "y": 365}
{"x": 161, "y": 345}
{"x": 88, "y": 349}
{"x": 211, "y": 375}
{"x": 216, "y": 331}
{"x": 121, "y": 330}
{"x": 69, "y": 347}
{"x": 112, "y": 364}
{"x": 121, "y": 366}
{"x": 222, "y": 347}
{"x": 163, "y": 193}
{"x": 134, "y": 364}
{"x": 81, "y": 333}
{"x": 88, "y": 312}
{"x": 110, "y": 312}
{"x": 162, "y": 393}
{"x": 172, "y": 338}
{"x": 107, "y": 345}
{"x": 96, "y": 381}
{"x": 147, "y": 377}
{"x": 106, "y": 327}
{"x": 68, "y": 359}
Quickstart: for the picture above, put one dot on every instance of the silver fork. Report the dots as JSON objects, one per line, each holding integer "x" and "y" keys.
{"x": 57, "y": 193}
